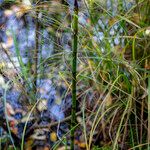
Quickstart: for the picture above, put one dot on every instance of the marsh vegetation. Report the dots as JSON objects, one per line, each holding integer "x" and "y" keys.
{"x": 75, "y": 74}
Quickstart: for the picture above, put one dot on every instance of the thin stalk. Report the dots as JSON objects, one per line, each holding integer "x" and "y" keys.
{"x": 148, "y": 135}
{"x": 148, "y": 112}
{"x": 74, "y": 68}
{"x": 6, "y": 116}
{"x": 36, "y": 51}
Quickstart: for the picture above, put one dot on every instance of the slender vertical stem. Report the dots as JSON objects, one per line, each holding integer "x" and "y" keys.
{"x": 74, "y": 68}
{"x": 148, "y": 103}
{"x": 35, "y": 57}
{"x": 148, "y": 112}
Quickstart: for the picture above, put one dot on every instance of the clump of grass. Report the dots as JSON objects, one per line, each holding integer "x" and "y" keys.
{"x": 115, "y": 82}
{"x": 111, "y": 81}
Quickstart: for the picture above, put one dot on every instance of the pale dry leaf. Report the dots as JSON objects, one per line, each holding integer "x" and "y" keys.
{"x": 38, "y": 135}
{"x": 26, "y": 2}
{"x": 8, "y": 13}
{"x": 2, "y": 82}
{"x": 42, "y": 105}
{"x": 26, "y": 118}
{"x": 108, "y": 100}
{"x": 79, "y": 119}
{"x": 63, "y": 148}
{"x": 10, "y": 110}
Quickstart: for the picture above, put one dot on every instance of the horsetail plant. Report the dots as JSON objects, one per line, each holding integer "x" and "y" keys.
{"x": 148, "y": 112}
{"x": 74, "y": 68}
{"x": 35, "y": 55}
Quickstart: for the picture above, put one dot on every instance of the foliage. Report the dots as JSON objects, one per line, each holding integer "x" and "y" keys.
{"x": 113, "y": 70}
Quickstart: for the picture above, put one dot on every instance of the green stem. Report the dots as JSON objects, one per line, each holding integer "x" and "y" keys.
{"x": 74, "y": 68}
{"x": 35, "y": 57}
{"x": 7, "y": 121}
{"x": 148, "y": 112}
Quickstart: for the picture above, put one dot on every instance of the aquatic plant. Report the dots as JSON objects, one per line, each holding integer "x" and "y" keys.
{"x": 74, "y": 69}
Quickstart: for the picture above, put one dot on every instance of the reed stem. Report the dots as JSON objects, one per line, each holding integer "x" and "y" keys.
{"x": 148, "y": 112}
{"x": 74, "y": 69}
{"x": 35, "y": 57}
